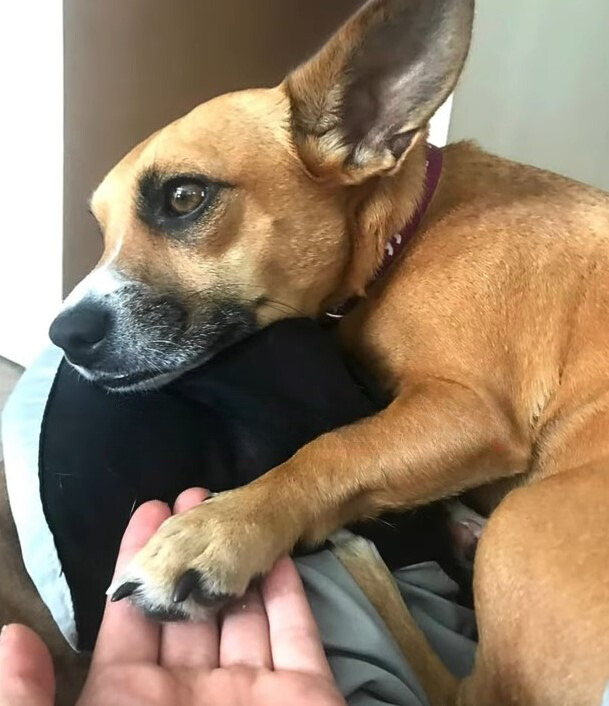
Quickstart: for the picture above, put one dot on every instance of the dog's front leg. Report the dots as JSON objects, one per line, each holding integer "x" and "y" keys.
{"x": 436, "y": 440}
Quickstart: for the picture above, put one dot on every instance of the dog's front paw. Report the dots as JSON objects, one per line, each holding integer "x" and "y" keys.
{"x": 200, "y": 559}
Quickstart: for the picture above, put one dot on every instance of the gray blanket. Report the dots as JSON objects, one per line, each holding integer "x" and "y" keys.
{"x": 364, "y": 658}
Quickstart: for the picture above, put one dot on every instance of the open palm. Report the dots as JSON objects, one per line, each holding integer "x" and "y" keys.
{"x": 265, "y": 651}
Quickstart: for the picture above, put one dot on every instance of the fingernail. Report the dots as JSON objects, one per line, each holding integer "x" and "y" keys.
{"x": 2, "y": 632}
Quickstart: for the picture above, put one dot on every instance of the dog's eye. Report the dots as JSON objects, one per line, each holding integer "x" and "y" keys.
{"x": 185, "y": 198}
{"x": 176, "y": 205}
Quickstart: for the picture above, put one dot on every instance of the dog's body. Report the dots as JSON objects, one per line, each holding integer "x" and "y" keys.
{"x": 490, "y": 332}
{"x": 526, "y": 253}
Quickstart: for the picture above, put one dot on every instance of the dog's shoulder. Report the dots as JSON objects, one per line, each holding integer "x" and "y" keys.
{"x": 488, "y": 192}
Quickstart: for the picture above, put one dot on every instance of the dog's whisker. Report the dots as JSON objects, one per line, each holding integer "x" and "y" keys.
{"x": 280, "y": 306}
{"x": 277, "y": 305}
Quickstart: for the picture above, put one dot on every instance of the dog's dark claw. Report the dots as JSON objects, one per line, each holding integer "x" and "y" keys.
{"x": 185, "y": 585}
{"x": 125, "y": 590}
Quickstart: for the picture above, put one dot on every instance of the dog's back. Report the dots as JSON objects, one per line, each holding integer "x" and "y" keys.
{"x": 526, "y": 252}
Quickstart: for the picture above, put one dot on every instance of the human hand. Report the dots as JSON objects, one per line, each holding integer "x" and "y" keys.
{"x": 265, "y": 651}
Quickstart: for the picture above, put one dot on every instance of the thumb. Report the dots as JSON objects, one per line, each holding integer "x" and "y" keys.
{"x": 26, "y": 669}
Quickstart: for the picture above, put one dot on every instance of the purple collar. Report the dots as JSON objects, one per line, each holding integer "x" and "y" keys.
{"x": 398, "y": 242}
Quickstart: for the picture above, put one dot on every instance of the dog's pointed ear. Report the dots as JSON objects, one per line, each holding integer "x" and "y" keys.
{"x": 362, "y": 101}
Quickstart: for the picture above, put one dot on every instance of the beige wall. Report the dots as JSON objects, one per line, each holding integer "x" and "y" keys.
{"x": 536, "y": 85}
{"x": 133, "y": 65}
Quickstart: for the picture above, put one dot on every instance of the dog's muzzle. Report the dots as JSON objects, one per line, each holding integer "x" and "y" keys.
{"x": 124, "y": 348}
{"x": 128, "y": 335}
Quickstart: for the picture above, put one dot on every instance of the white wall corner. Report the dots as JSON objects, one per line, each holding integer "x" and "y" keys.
{"x": 31, "y": 178}
{"x": 440, "y": 123}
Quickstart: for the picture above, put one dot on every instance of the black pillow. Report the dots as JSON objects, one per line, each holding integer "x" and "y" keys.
{"x": 219, "y": 426}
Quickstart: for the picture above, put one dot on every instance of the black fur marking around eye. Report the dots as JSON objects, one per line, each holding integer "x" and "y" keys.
{"x": 153, "y": 207}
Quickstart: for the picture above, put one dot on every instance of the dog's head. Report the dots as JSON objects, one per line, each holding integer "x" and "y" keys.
{"x": 265, "y": 203}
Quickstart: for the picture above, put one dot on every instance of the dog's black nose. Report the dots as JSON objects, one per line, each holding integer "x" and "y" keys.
{"x": 80, "y": 331}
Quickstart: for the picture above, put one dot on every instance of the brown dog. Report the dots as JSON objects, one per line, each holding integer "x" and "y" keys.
{"x": 490, "y": 330}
